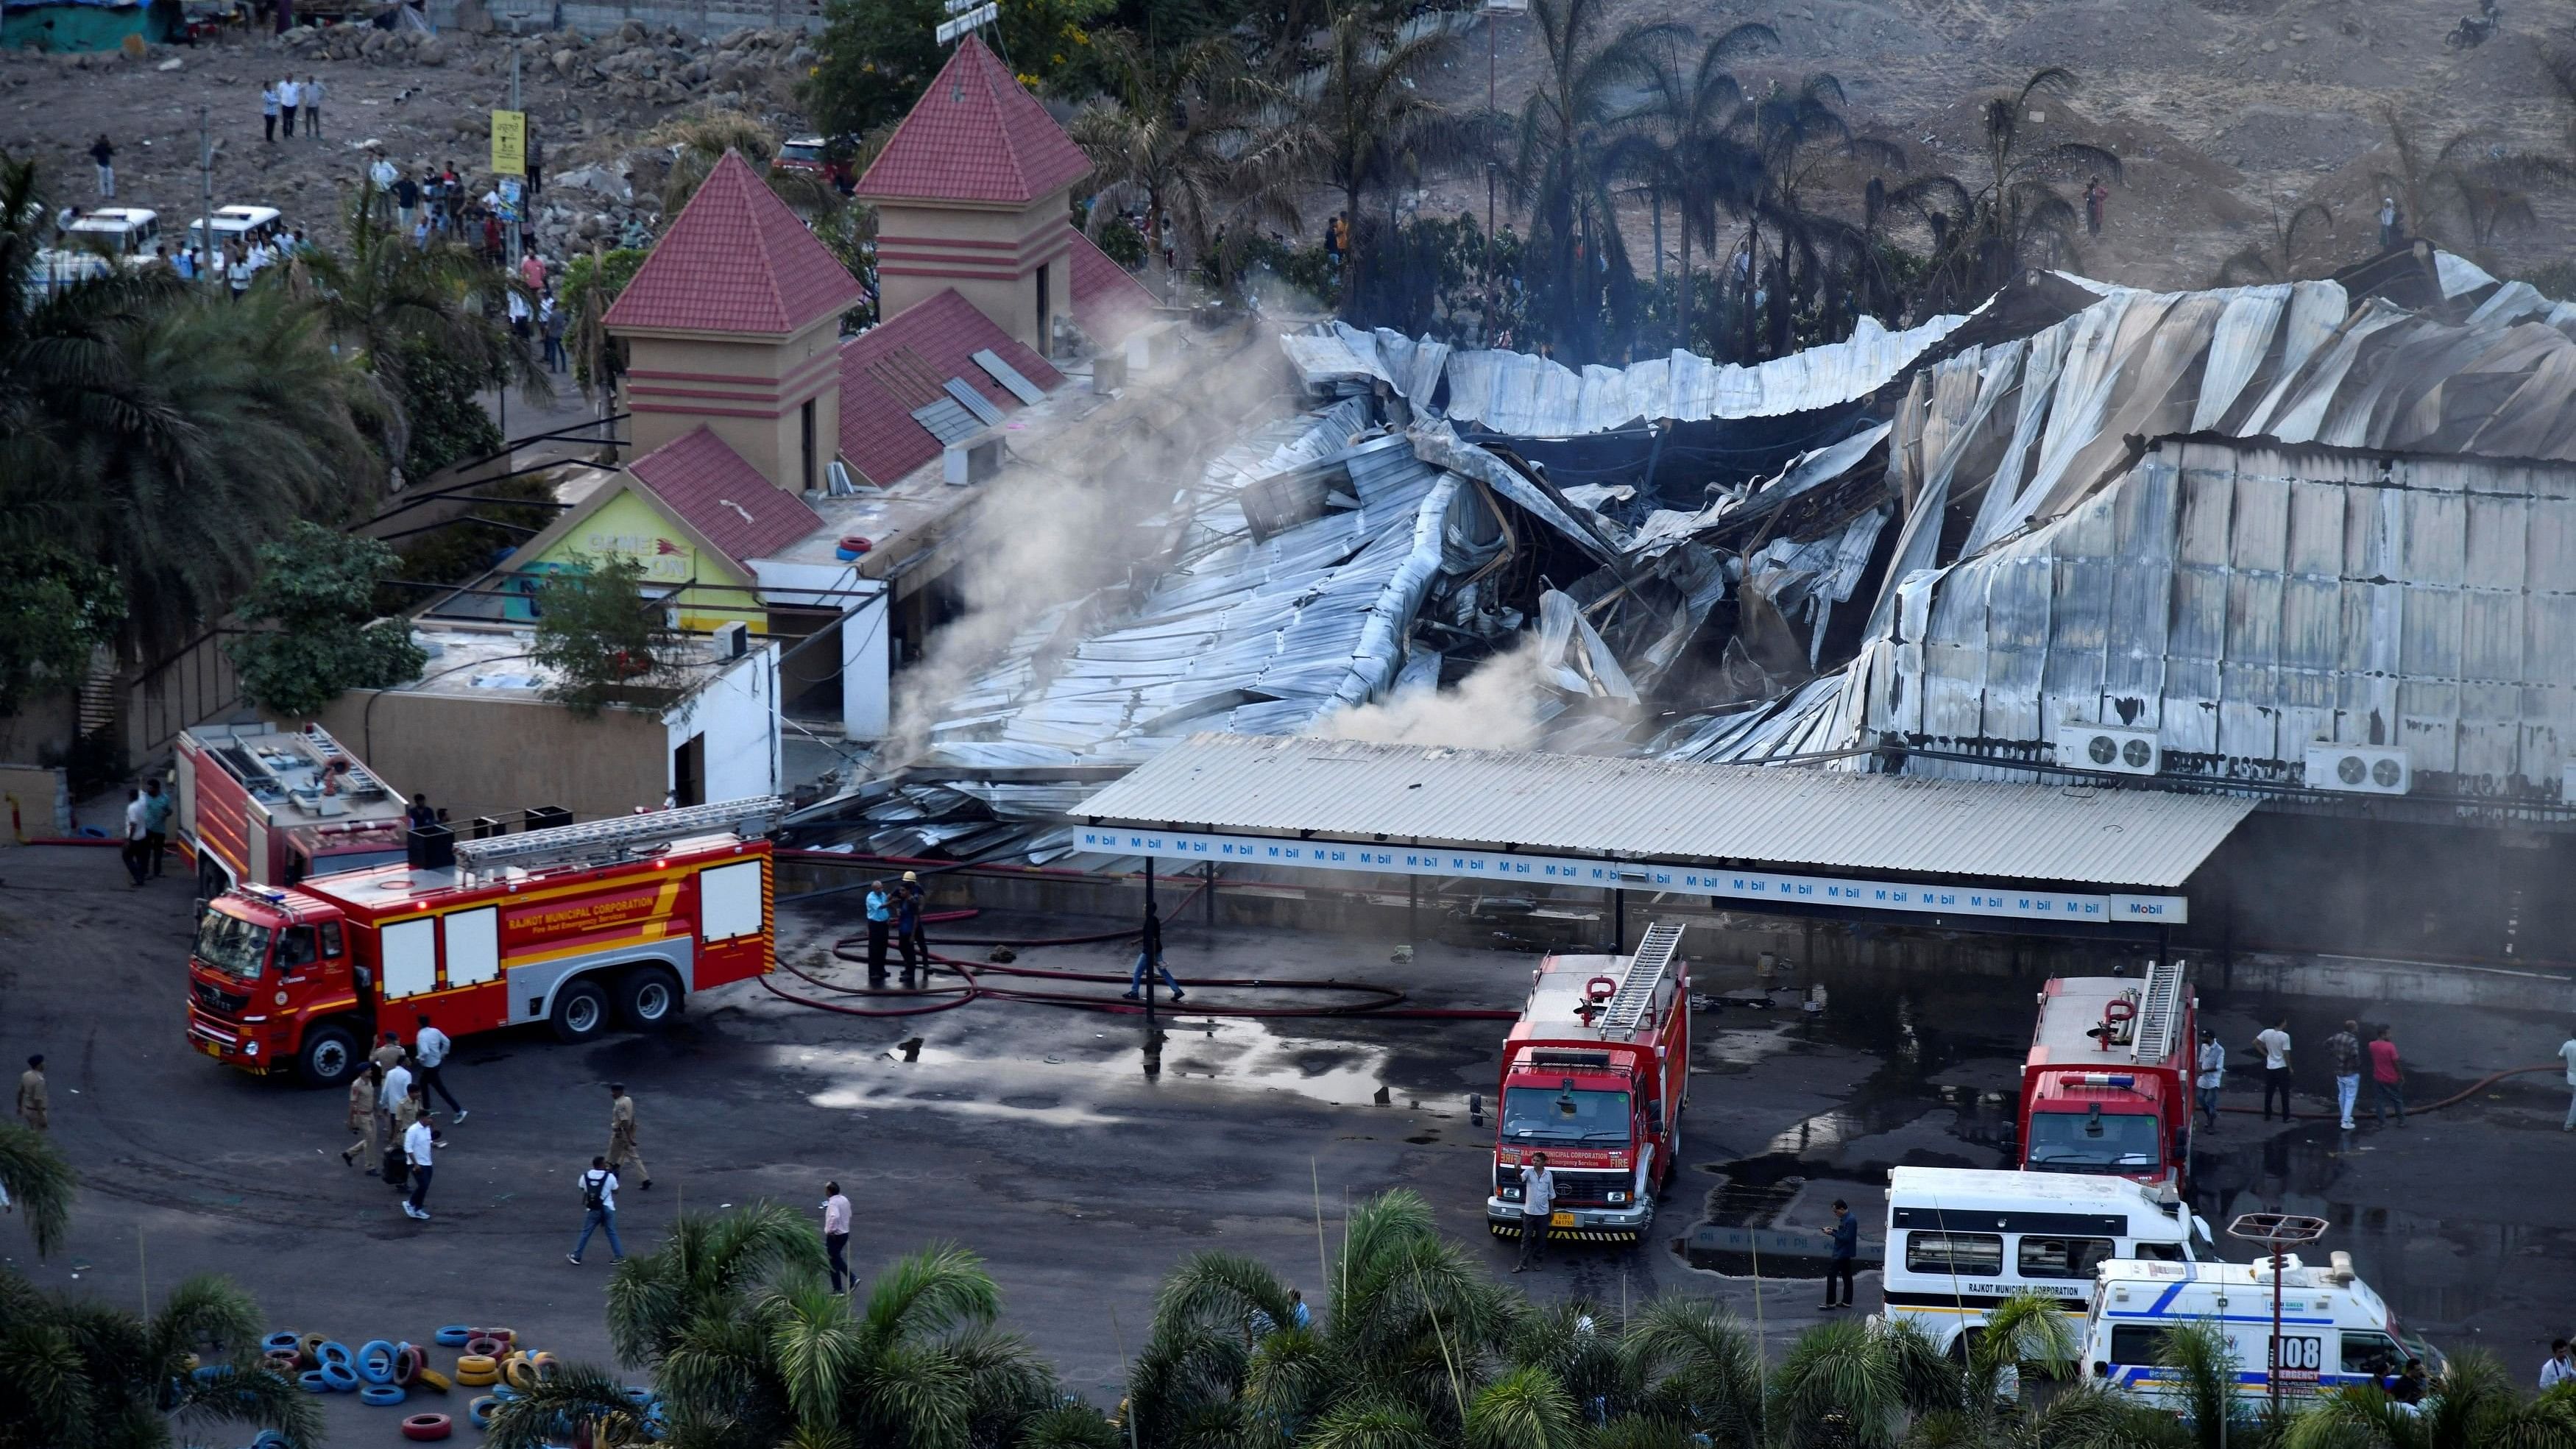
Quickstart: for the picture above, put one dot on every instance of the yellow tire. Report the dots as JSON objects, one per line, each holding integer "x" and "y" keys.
{"x": 477, "y": 1369}
{"x": 520, "y": 1373}
{"x": 433, "y": 1379}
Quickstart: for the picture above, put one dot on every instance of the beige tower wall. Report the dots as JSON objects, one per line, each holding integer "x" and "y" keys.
{"x": 750, "y": 391}
{"x": 992, "y": 255}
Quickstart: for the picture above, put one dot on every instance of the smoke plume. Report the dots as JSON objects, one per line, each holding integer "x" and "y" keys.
{"x": 1496, "y": 707}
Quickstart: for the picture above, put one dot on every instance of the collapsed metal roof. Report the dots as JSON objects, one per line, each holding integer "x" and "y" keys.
{"x": 1659, "y": 809}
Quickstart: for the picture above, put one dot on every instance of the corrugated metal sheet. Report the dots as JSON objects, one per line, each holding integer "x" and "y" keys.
{"x": 1657, "y": 809}
{"x": 1529, "y": 396}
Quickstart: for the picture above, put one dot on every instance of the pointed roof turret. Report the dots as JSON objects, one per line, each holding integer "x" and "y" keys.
{"x": 736, "y": 259}
{"x": 976, "y": 135}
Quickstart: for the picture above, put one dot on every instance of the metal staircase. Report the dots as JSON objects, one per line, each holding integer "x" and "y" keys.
{"x": 2160, "y": 1004}
{"x": 612, "y": 838}
{"x": 1646, "y": 971}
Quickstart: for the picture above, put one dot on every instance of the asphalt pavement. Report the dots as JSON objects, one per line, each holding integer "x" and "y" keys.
{"x": 1038, "y": 1138}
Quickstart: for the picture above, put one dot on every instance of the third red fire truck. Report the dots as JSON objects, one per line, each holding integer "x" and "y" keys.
{"x": 259, "y": 805}
{"x": 2108, "y": 1087}
{"x": 1594, "y": 1075}
{"x": 576, "y": 926}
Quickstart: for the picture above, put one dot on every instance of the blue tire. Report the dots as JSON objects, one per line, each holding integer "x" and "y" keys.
{"x": 204, "y": 1373}
{"x": 339, "y": 1375}
{"x": 269, "y": 1439}
{"x": 452, "y": 1336}
{"x": 480, "y": 1411}
{"x": 330, "y": 1351}
{"x": 282, "y": 1343}
{"x": 311, "y": 1381}
{"x": 376, "y": 1361}
{"x": 383, "y": 1395}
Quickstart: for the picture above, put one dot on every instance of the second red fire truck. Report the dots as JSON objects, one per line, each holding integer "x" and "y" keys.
{"x": 577, "y": 926}
{"x": 2108, "y": 1087}
{"x": 1595, "y": 1074}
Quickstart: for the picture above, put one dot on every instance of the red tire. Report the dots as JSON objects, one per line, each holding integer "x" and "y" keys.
{"x": 428, "y": 1427}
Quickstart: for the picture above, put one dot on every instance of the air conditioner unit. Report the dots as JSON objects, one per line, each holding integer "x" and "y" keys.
{"x": 2362, "y": 769}
{"x": 2115, "y": 748}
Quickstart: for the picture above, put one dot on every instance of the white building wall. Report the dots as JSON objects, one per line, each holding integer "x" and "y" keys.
{"x": 737, "y": 711}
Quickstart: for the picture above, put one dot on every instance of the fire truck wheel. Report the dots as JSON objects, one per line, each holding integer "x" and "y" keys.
{"x": 581, "y": 1011}
{"x": 330, "y": 1055}
{"x": 648, "y": 999}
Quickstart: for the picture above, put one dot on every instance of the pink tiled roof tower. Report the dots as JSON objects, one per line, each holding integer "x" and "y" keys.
{"x": 976, "y": 135}
{"x": 736, "y": 259}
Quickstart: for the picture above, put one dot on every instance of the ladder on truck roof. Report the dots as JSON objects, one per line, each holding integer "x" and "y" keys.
{"x": 2159, "y": 1013}
{"x": 1646, "y": 972}
{"x": 610, "y": 838}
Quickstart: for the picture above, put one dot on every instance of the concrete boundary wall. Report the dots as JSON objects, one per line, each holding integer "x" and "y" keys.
{"x": 690, "y": 17}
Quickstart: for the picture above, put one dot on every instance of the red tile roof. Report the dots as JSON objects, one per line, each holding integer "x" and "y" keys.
{"x": 975, "y": 135}
{"x": 1107, "y": 301}
{"x": 891, "y": 369}
{"x": 705, "y": 484}
{"x": 735, "y": 260}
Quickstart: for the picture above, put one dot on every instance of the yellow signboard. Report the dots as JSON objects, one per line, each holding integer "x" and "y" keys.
{"x": 510, "y": 143}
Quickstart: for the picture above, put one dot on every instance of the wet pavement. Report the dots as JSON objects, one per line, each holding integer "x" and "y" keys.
{"x": 1084, "y": 1160}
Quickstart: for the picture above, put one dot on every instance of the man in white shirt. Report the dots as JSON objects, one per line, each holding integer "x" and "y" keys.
{"x": 2558, "y": 1368}
{"x": 289, "y": 96}
{"x": 2567, "y": 1054}
{"x": 1538, "y": 1199}
{"x": 138, "y": 824}
{"x": 2213, "y": 1075}
{"x": 836, "y": 1235}
{"x": 599, "y": 1203}
{"x": 416, "y": 1143}
{"x": 2274, "y": 1043}
{"x": 430, "y": 1049}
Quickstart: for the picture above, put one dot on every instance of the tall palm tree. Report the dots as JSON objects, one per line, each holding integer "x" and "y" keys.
{"x": 1795, "y": 137}
{"x": 1692, "y": 158}
{"x": 2475, "y": 1405}
{"x": 2019, "y": 218}
{"x": 1170, "y": 134}
{"x": 2463, "y": 191}
{"x": 39, "y": 1179}
{"x": 77, "y": 1374}
{"x": 1695, "y": 1363}
{"x": 1568, "y": 155}
{"x": 1357, "y": 114}
{"x": 2277, "y": 258}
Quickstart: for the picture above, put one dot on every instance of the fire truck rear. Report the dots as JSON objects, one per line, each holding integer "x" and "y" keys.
{"x": 2108, "y": 1086}
{"x": 1594, "y": 1075}
{"x": 576, "y": 926}
{"x": 264, "y": 806}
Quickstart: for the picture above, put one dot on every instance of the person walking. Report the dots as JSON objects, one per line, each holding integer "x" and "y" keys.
{"x": 1842, "y": 1264}
{"x": 237, "y": 270}
{"x": 532, "y": 270}
{"x": 35, "y": 1105}
{"x": 429, "y": 1048}
{"x": 621, "y": 1134}
{"x": 550, "y": 325}
{"x": 2567, "y": 1054}
{"x": 397, "y": 1089}
{"x": 2344, "y": 1049}
{"x": 2558, "y": 1368}
{"x": 105, "y": 155}
{"x": 268, "y": 109}
{"x": 2213, "y": 1075}
{"x": 387, "y": 1052}
{"x": 599, "y": 1211}
{"x": 880, "y": 913}
{"x": 907, "y": 924}
{"x": 2389, "y": 231}
{"x": 2273, "y": 1042}
{"x": 313, "y": 106}
{"x": 135, "y": 830}
{"x": 1149, "y": 957}
{"x": 363, "y": 1122}
{"x": 836, "y": 1236}
{"x": 1538, "y": 1200}
{"x": 418, "y": 1146}
{"x": 402, "y": 1108}
{"x": 2388, "y": 1078}
{"x": 289, "y": 96}
{"x": 156, "y": 825}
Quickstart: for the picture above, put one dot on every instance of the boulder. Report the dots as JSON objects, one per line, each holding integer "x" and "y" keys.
{"x": 631, "y": 32}
{"x": 432, "y": 51}
{"x": 562, "y": 61}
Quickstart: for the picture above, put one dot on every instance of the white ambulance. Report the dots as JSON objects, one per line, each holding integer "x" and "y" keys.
{"x": 1960, "y": 1241}
{"x": 2334, "y": 1330}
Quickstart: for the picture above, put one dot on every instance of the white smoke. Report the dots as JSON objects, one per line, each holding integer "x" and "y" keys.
{"x": 1496, "y": 707}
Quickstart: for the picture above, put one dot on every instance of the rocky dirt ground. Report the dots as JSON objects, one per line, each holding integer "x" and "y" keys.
{"x": 2229, "y": 113}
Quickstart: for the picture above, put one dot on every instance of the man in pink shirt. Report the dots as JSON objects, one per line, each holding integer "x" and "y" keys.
{"x": 2387, "y": 1078}
{"x": 532, "y": 271}
{"x": 836, "y": 1236}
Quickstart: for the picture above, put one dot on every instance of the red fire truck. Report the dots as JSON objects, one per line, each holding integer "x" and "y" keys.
{"x": 2108, "y": 1086}
{"x": 1594, "y": 1075}
{"x": 259, "y": 805}
{"x": 625, "y": 915}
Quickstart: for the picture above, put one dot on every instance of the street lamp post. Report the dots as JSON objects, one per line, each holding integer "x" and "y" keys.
{"x": 2277, "y": 1232}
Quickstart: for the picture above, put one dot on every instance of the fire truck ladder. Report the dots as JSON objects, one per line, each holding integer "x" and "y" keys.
{"x": 612, "y": 837}
{"x": 1646, "y": 972}
{"x": 2159, "y": 1013}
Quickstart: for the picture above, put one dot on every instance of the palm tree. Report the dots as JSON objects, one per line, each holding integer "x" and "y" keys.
{"x": 2018, "y": 218}
{"x": 1693, "y": 158}
{"x": 1169, "y": 135}
{"x": 81, "y": 1375}
{"x": 1794, "y": 136}
{"x": 1695, "y": 1364}
{"x": 39, "y": 1179}
{"x": 2475, "y": 1405}
{"x": 2277, "y": 260}
{"x": 1358, "y": 115}
{"x": 2462, "y": 192}
{"x": 703, "y": 139}
{"x": 1568, "y": 154}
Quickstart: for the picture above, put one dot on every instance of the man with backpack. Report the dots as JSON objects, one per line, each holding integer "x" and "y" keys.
{"x": 599, "y": 1208}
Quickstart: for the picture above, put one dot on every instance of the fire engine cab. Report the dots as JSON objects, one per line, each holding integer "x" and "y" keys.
{"x": 1594, "y": 1075}
{"x": 574, "y": 926}
{"x": 2108, "y": 1084}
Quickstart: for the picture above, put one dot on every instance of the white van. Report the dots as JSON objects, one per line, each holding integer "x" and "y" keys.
{"x": 2334, "y": 1330}
{"x": 244, "y": 224}
{"x": 1961, "y": 1241}
{"x": 96, "y": 241}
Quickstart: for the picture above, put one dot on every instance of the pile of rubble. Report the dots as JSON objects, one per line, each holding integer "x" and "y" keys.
{"x": 748, "y": 69}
